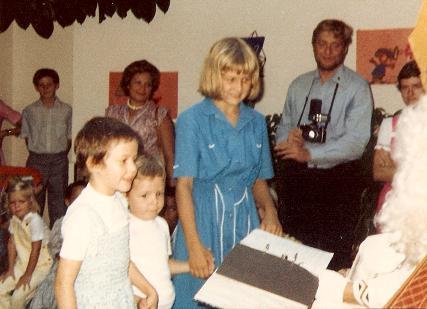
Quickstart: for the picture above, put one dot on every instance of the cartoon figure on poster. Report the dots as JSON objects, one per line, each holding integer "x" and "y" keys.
{"x": 383, "y": 58}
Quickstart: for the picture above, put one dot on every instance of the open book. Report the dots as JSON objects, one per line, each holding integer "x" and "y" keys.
{"x": 265, "y": 271}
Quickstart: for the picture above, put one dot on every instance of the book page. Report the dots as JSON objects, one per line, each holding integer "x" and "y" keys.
{"x": 312, "y": 259}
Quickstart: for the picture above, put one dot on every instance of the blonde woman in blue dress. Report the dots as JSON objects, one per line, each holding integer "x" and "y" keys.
{"x": 222, "y": 163}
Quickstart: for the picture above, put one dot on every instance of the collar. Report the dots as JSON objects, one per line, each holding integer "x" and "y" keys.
{"x": 99, "y": 196}
{"x": 55, "y": 103}
{"x": 26, "y": 218}
{"x": 246, "y": 112}
{"x": 339, "y": 76}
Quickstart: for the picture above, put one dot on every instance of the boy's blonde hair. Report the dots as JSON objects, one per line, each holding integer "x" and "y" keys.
{"x": 17, "y": 184}
{"x": 225, "y": 55}
{"x": 149, "y": 166}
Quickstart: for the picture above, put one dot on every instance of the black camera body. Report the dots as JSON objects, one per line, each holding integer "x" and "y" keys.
{"x": 315, "y": 132}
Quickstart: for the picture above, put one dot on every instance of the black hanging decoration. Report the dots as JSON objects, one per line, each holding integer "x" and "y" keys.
{"x": 144, "y": 9}
{"x": 163, "y": 5}
{"x": 22, "y": 13}
{"x": 123, "y": 6}
{"x": 42, "y": 14}
{"x": 65, "y": 12}
{"x": 88, "y": 7}
{"x": 42, "y": 21}
{"x": 6, "y": 15}
{"x": 106, "y": 8}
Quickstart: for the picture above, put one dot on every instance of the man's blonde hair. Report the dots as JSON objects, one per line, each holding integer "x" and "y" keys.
{"x": 225, "y": 55}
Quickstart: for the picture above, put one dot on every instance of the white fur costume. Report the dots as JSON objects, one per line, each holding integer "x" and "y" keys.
{"x": 384, "y": 261}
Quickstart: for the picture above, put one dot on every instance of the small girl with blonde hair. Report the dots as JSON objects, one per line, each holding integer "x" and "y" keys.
{"x": 28, "y": 255}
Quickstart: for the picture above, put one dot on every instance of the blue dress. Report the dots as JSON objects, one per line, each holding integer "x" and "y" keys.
{"x": 224, "y": 162}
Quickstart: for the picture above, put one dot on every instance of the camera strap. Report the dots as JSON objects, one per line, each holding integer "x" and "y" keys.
{"x": 305, "y": 103}
{"x": 330, "y": 107}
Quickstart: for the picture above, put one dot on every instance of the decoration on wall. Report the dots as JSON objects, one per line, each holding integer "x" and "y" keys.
{"x": 166, "y": 95}
{"x": 380, "y": 54}
{"x": 42, "y": 14}
{"x": 257, "y": 42}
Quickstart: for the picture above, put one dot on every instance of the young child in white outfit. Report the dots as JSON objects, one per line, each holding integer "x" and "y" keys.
{"x": 44, "y": 297}
{"x": 28, "y": 256}
{"x": 150, "y": 245}
{"x": 94, "y": 269}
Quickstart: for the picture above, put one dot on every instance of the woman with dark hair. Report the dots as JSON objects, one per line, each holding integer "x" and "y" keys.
{"x": 139, "y": 82}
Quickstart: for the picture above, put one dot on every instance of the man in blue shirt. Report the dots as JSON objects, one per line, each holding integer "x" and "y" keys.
{"x": 325, "y": 127}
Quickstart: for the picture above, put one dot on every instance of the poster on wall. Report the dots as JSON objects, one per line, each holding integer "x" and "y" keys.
{"x": 166, "y": 95}
{"x": 380, "y": 54}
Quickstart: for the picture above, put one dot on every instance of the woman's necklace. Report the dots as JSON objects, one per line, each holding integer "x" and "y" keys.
{"x": 135, "y": 107}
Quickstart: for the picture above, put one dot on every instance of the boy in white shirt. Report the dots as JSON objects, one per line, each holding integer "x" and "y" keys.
{"x": 94, "y": 269}
{"x": 150, "y": 246}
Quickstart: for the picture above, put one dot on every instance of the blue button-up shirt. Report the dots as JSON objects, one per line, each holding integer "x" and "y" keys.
{"x": 349, "y": 129}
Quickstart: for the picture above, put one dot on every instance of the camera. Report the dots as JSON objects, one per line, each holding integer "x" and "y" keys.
{"x": 315, "y": 132}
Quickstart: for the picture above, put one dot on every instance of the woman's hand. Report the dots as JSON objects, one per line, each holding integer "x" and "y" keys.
{"x": 270, "y": 223}
{"x": 24, "y": 281}
{"x": 269, "y": 220}
{"x": 201, "y": 261}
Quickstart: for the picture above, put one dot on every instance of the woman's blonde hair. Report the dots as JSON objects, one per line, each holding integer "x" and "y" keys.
{"x": 225, "y": 55}
{"x": 17, "y": 184}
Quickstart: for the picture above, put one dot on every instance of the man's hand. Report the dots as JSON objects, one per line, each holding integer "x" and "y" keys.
{"x": 286, "y": 150}
{"x": 295, "y": 137}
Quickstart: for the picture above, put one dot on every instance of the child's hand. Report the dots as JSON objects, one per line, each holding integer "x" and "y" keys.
{"x": 6, "y": 275}
{"x": 24, "y": 281}
{"x": 150, "y": 302}
{"x": 201, "y": 262}
{"x": 270, "y": 223}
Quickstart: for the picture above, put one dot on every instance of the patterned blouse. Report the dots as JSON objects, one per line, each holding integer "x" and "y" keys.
{"x": 144, "y": 122}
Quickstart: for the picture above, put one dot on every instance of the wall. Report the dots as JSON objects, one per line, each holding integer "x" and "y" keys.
{"x": 6, "y": 91}
{"x": 29, "y": 52}
{"x": 178, "y": 41}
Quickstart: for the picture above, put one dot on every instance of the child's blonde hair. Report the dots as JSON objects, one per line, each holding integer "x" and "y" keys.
{"x": 225, "y": 55}
{"x": 149, "y": 166}
{"x": 17, "y": 184}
